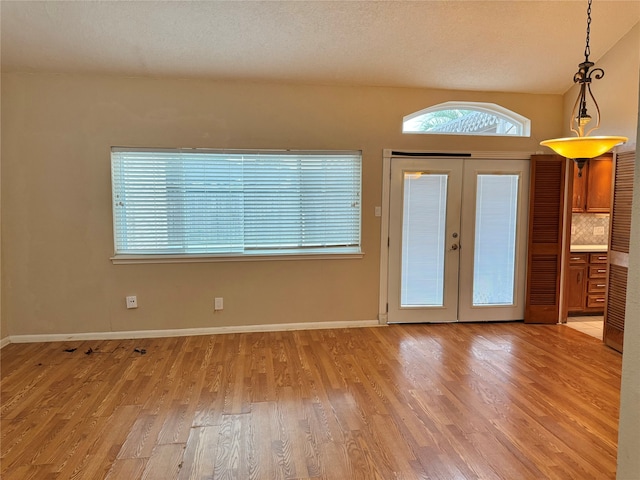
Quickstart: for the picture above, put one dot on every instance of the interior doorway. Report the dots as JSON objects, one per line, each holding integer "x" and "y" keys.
{"x": 456, "y": 239}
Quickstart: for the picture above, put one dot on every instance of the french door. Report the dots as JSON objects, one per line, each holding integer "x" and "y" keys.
{"x": 457, "y": 239}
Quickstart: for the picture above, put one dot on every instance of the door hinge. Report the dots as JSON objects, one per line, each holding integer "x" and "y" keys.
{"x": 388, "y": 242}
{"x": 387, "y": 307}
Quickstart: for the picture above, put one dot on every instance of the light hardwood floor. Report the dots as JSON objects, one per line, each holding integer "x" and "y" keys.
{"x": 452, "y": 401}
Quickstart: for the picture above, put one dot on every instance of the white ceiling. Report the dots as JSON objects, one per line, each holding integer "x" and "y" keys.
{"x": 514, "y": 46}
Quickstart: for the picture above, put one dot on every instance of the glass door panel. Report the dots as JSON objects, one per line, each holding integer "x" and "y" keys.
{"x": 495, "y": 239}
{"x": 423, "y": 236}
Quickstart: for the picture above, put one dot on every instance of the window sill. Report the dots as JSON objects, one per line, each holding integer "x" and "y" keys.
{"x": 137, "y": 259}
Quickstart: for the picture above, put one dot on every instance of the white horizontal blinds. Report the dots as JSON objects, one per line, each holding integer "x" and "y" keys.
{"x": 194, "y": 201}
{"x": 495, "y": 239}
{"x": 302, "y": 201}
{"x": 207, "y": 204}
{"x": 423, "y": 236}
{"x": 176, "y": 203}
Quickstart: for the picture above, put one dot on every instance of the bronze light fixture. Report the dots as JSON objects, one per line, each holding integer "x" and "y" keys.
{"x": 583, "y": 147}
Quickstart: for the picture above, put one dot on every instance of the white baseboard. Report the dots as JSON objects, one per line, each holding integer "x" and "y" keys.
{"x": 183, "y": 332}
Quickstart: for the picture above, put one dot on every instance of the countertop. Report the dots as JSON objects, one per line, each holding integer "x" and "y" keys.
{"x": 589, "y": 248}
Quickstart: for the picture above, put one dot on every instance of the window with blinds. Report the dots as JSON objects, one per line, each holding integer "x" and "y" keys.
{"x": 209, "y": 202}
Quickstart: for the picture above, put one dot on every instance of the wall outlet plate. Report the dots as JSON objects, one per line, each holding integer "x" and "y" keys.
{"x": 598, "y": 230}
{"x": 132, "y": 301}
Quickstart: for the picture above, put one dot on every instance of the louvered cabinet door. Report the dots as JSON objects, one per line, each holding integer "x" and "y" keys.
{"x": 544, "y": 255}
{"x": 619, "y": 235}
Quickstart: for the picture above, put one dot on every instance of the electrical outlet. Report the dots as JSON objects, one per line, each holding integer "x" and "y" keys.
{"x": 598, "y": 230}
{"x": 573, "y": 229}
{"x": 218, "y": 304}
{"x": 132, "y": 301}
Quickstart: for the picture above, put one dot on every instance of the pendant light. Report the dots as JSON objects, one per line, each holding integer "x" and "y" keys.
{"x": 583, "y": 147}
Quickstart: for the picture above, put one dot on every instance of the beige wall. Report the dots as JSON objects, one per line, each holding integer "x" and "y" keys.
{"x": 57, "y": 225}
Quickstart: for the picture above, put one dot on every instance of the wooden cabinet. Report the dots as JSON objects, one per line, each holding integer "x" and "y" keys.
{"x": 586, "y": 283}
{"x": 576, "y": 286}
{"x": 578, "y": 201}
{"x": 592, "y": 191}
{"x": 598, "y": 197}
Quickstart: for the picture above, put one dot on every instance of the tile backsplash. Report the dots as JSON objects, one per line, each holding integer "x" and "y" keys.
{"x": 589, "y": 229}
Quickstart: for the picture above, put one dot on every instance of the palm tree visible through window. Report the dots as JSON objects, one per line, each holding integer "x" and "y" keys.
{"x": 470, "y": 118}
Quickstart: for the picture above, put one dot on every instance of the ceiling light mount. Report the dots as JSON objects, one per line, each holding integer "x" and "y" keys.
{"x": 583, "y": 147}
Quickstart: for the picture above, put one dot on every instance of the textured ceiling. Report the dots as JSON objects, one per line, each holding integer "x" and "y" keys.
{"x": 516, "y": 46}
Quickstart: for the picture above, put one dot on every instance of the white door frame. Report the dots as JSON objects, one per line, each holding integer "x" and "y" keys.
{"x": 387, "y": 154}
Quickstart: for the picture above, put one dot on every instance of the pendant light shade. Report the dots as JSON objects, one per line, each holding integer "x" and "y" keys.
{"x": 583, "y": 147}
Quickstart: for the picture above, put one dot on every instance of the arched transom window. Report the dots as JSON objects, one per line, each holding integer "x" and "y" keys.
{"x": 467, "y": 118}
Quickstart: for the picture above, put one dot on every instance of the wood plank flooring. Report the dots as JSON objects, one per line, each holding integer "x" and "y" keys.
{"x": 451, "y": 401}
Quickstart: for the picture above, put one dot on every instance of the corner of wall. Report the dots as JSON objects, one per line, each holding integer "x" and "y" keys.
{"x": 629, "y": 424}
{"x": 4, "y": 335}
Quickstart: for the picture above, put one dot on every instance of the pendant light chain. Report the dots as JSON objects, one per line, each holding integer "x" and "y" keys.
{"x": 583, "y": 147}
{"x": 587, "y": 48}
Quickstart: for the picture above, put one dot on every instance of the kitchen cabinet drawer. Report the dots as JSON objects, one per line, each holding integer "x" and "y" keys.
{"x": 595, "y": 301}
{"x": 578, "y": 258}
{"x": 596, "y": 286}
{"x": 597, "y": 271}
{"x": 597, "y": 257}
{"x": 586, "y": 283}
